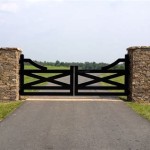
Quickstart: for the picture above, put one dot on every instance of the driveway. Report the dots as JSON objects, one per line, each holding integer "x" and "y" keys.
{"x": 74, "y": 125}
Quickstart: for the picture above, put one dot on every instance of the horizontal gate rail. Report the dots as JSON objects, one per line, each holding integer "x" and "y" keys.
{"x": 101, "y": 71}
{"x": 100, "y": 94}
{"x": 46, "y": 88}
{"x": 47, "y": 93}
{"x": 46, "y": 71}
{"x": 100, "y": 88}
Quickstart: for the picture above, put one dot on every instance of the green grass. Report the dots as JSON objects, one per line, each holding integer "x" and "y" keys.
{"x": 142, "y": 109}
{"x": 48, "y": 67}
{"x": 7, "y": 107}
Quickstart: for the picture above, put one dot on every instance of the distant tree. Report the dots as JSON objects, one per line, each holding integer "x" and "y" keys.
{"x": 57, "y": 63}
{"x": 85, "y": 65}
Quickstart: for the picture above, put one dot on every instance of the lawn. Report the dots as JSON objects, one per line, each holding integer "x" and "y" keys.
{"x": 7, "y": 107}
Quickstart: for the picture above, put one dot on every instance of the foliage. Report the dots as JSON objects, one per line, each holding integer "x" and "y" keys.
{"x": 85, "y": 65}
{"x": 7, "y": 107}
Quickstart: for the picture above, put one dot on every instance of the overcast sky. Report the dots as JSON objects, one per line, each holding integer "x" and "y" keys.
{"x": 74, "y": 30}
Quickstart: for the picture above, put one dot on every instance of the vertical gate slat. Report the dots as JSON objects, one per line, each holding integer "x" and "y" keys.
{"x": 71, "y": 80}
{"x": 127, "y": 72}
{"x": 21, "y": 90}
{"x": 76, "y": 80}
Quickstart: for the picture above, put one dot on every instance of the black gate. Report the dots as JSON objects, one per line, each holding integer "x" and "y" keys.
{"x": 73, "y": 87}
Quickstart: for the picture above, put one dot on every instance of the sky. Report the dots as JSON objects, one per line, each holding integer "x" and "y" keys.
{"x": 74, "y": 30}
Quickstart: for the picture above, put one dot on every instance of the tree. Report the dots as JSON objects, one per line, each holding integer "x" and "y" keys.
{"x": 57, "y": 63}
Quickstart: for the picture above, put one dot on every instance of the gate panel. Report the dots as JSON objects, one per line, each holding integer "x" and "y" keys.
{"x": 92, "y": 87}
{"x": 113, "y": 89}
{"x": 33, "y": 88}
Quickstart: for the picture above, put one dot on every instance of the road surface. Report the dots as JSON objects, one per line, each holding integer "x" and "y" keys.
{"x": 74, "y": 125}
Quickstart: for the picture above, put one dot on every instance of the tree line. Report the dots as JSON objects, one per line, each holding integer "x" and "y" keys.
{"x": 85, "y": 65}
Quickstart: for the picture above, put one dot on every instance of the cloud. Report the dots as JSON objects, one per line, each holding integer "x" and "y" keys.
{"x": 35, "y": 1}
{"x": 9, "y": 7}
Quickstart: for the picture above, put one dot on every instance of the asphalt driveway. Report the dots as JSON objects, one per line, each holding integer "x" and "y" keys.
{"x": 74, "y": 125}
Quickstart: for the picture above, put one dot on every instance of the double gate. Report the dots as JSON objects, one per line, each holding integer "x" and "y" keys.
{"x": 67, "y": 82}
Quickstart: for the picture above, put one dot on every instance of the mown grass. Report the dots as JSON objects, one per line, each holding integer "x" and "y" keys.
{"x": 141, "y": 108}
{"x": 7, "y": 107}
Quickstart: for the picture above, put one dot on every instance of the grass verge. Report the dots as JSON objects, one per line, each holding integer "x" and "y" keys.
{"x": 140, "y": 108}
{"x": 7, "y": 107}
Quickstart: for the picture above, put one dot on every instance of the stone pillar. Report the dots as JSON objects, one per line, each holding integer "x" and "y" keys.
{"x": 139, "y": 80}
{"x": 9, "y": 74}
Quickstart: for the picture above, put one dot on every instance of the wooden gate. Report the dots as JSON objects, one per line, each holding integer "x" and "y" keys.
{"x": 74, "y": 87}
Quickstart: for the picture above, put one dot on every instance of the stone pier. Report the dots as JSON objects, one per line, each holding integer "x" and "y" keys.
{"x": 139, "y": 79}
{"x": 9, "y": 74}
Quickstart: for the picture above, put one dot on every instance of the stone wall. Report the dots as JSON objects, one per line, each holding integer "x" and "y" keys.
{"x": 9, "y": 73}
{"x": 139, "y": 80}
